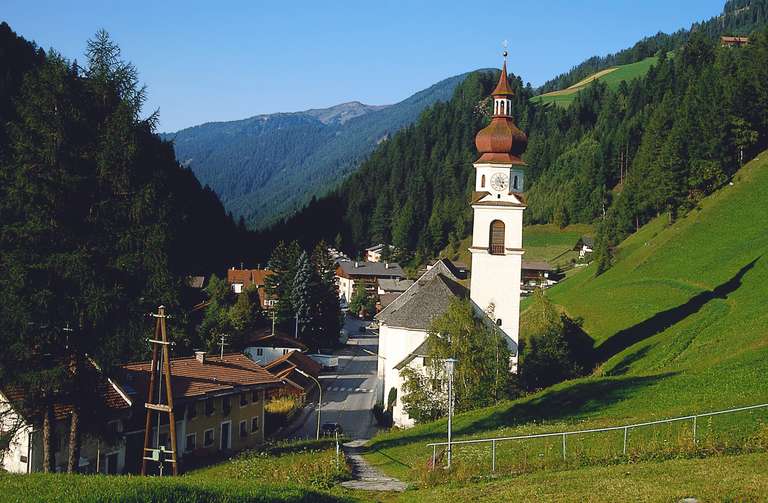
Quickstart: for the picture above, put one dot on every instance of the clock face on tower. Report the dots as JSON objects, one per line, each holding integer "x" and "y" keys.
{"x": 499, "y": 182}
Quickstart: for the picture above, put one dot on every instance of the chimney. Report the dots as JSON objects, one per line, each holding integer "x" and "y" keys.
{"x": 200, "y": 356}
{"x": 357, "y": 264}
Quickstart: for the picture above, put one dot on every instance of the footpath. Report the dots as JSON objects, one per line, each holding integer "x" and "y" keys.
{"x": 367, "y": 478}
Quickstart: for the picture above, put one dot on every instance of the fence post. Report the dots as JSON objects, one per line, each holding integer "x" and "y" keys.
{"x": 563, "y": 445}
{"x": 626, "y": 429}
{"x": 434, "y": 456}
{"x": 694, "y": 430}
{"x": 493, "y": 456}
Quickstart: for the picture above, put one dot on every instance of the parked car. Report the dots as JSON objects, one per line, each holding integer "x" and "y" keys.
{"x": 331, "y": 428}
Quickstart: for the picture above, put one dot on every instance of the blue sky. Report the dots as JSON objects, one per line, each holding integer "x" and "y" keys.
{"x": 209, "y": 61}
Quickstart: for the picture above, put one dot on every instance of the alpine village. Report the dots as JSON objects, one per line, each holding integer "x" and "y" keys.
{"x": 488, "y": 291}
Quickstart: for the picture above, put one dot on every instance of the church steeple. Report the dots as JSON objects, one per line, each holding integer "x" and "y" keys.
{"x": 498, "y": 205}
{"x": 501, "y": 142}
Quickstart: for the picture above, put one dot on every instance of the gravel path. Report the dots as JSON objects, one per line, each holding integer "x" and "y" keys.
{"x": 367, "y": 478}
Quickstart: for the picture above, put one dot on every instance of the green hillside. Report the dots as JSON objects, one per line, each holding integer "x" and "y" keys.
{"x": 680, "y": 319}
{"x": 612, "y": 77}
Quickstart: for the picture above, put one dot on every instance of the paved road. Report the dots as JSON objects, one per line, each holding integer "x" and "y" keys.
{"x": 348, "y": 396}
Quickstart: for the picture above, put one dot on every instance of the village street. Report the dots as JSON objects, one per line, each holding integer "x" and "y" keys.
{"x": 349, "y": 393}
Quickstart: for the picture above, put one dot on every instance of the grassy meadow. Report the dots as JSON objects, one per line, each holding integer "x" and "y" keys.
{"x": 610, "y": 76}
{"x": 680, "y": 324}
{"x": 295, "y": 472}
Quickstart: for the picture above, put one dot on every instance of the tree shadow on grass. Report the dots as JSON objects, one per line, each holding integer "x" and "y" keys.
{"x": 665, "y": 319}
{"x": 576, "y": 398}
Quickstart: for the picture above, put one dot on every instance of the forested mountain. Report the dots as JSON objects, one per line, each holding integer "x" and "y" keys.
{"x": 268, "y": 166}
{"x": 739, "y": 17}
{"x": 614, "y": 157}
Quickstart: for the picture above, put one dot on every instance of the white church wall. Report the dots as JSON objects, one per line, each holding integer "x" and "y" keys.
{"x": 394, "y": 345}
{"x": 513, "y": 226}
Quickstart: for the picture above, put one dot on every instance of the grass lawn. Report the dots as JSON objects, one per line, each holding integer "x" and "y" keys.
{"x": 300, "y": 472}
{"x": 681, "y": 324}
{"x": 728, "y": 478}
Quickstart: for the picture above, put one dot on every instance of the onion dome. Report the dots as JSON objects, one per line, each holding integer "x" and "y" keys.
{"x": 501, "y": 142}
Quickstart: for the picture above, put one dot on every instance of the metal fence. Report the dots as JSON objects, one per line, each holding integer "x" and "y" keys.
{"x": 565, "y": 434}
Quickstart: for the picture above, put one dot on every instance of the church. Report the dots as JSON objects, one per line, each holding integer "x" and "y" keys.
{"x": 497, "y": 250}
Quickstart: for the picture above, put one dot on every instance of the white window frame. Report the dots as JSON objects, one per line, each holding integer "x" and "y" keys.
{"x": 243, "y": 422}
{"x": 229, "y": 437}
{"x": 213, "y": 437}
{"x": 194, "y": 442}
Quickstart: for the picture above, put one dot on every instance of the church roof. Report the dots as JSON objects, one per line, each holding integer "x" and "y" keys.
{"x": 425, "y": 300}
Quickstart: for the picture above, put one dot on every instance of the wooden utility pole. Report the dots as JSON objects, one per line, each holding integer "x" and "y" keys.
{"x": 160, "y": 358}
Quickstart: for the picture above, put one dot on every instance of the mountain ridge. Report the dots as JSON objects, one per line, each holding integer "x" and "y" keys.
{"x": 266, "y": 166}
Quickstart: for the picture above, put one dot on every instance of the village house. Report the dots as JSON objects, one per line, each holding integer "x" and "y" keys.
{"x": 585, "y": 245}
{"x": 498, "y": 204}
{"x": 396, "y": 285}
{"x": 241, "y": 279}
{"x": 726, "y": 41}
{"x": 265, "y": 345}
{"x": 105, "y": 453}
{"x": 349, "y": 273}
{"x": 538, "y": 274}
{"x": 218, "y": 404}
{"x": 289, "y": 368}
{"x": 375, "y": 252}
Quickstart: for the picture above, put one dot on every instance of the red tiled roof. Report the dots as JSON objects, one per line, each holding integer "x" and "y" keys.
{"x": 286, "y": 367}
{"x": 248, "y": 277}
{"x": 112, "y": 396}
{"x": 190, "y": 378}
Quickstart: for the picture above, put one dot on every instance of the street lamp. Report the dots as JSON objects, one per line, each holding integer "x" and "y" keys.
{"x": 319, "y": 399}
{"x": 450, "y": 364}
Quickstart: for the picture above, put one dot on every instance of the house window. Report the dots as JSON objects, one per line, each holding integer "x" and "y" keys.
{"x": 285, "y": 351}
{"x": 259, "y": 351}
{"x": 237, "y": 287}
{"x": 243, "y": 399}
{"x": 226, "y": 405}
{"x": 191, "y": 442}
{"x": 498, "y": 322}
{"x": 496, "y": 238}
{"x": 209, "y": 407}
{"x": 482, "y": 182}
{"x": 192, "y": 410}
{"x": 255, "y": 397}
{"x": 514, "y": 183}
{"x": 243, "y": 429}
{"x": 208, "y": 437}
{"x": 254, "y": 425}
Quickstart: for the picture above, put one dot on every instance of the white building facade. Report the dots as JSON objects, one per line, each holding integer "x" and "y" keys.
{"x": 497, "y": 249}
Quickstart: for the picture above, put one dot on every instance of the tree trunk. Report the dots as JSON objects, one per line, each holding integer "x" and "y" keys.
{"x": 49, "y": 455}
{"x": 74, "y": 441}
{"x": 74, "y": 425}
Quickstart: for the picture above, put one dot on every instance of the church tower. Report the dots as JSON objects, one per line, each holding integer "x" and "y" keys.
{"x": 498, "y": 205}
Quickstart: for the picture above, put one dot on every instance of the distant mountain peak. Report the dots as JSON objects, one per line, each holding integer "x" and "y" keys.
{"x": 341, "y": 113}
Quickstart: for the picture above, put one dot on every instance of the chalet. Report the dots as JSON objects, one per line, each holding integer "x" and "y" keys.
{"x": 374, "y": 253}
{"x": 350, "y": 273}
{"x": 264, "y": 346}
{"x": 734, "y": 41}
{"x": 103, "y": 454}
{"x": 289, "y": 368}
{"x": 241, "y": 279}
{"x": 584, "y": 245}
{"x": 537, "y": 274}
{"x": 218, "y": 402}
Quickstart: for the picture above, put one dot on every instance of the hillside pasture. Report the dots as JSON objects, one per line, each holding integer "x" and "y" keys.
{"x": 612, "y": 77}
{"x": 680, "y": 324}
